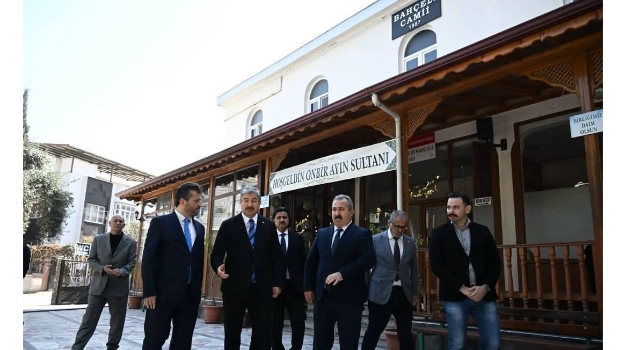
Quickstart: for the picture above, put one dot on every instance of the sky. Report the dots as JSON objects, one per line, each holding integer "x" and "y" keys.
{"x": 137, "y": 81}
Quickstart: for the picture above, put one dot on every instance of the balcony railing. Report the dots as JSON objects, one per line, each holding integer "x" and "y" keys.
{"x": 550, "y": 276}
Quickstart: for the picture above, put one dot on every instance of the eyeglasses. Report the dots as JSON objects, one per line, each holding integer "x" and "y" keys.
{"x": 399, "y": 227}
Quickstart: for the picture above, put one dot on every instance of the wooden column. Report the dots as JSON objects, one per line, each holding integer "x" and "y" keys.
{"x": 585, "y": 89}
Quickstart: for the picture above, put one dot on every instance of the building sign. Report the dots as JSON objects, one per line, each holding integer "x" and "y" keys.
{"x": 586, "y": 123}
{"x": 264, "y": 202}
{"x": 482, "y": 201}
{"x": 422, "y": 147}
{"x": 358, "y": 162}
{"x": 83, "y": 248}
{"x": 413, "y": 16}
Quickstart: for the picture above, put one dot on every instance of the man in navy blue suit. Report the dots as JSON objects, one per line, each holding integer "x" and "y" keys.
{"x": 334, "y": 278}
{"x": 248, "y": 258}
{"x": 172, "y": 265}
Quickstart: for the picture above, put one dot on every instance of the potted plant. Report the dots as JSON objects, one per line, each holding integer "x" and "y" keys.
{"x": 135, "y": 300}
{"x": 212, "y": 311}
{"x": 135, "y": 295}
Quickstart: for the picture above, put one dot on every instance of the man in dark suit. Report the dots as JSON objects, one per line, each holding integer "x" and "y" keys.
{"x": 111, "y": 258}
{"x": 465, "y": 258}
{"x": 292, "y": 296}
{"x": 393, "y": 286}
{"x": 334, "y": 277}
{"x": 172, "y": 264}
{"x": 253, "y": 273}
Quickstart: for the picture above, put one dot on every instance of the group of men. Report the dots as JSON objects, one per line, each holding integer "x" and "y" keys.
{"x": 266, "y": 269}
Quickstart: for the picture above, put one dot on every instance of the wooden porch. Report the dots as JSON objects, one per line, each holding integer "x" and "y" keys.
{"x": 544, "y": 288}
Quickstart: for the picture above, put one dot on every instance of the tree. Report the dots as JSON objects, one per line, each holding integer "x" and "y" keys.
{"x": 132, "y": 229}
{"x": 43, "y": 191}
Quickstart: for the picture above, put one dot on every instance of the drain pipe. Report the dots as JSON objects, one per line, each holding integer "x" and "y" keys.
{"x": 377, "y": 103}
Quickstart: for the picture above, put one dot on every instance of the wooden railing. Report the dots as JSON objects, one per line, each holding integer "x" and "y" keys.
{"x": 553, "y": 276}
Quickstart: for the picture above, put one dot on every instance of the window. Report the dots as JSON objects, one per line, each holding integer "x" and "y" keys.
{"x": 420, "y": 50}
{"x": 126, "y": 210}
{"x": 556, "y": 202}
{"x": 319, "y": 96}
{"x": 226, "y": 192}
{"x": 94, "y": 213}
{"x": 255, "y": 127}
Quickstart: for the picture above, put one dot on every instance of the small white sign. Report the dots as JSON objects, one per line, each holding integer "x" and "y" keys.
{"x": 422, "y": 147}
{"x": 82, "y": 248}
{"x": 586, "y": 123}
{"x": 264, "y": 202}
{"x": 482, "y": 201}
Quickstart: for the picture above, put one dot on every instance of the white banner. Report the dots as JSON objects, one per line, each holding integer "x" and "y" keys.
{"x": 359, "y": 162}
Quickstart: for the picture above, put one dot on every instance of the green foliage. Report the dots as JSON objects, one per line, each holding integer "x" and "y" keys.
{"x": 374, "y": 228}
{"x": 42, "y": 254}
{"x": 132, "y": 229}
{"x": 43, "y": 189}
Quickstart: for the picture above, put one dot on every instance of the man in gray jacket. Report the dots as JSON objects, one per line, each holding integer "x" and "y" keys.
{"x": 111, "y": 259}
{"x": 393, "y": 287}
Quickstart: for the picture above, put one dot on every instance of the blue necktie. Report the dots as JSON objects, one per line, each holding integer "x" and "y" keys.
{"x": 187, "y": 235}
{"x": 252, "y": 237}
{"x": 336, "y": 240}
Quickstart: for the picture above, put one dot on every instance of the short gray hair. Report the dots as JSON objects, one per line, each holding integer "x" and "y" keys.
{"x": 343, "y": 197}
{"x": 398, "y": 214}
{"x": 251, "y": 190}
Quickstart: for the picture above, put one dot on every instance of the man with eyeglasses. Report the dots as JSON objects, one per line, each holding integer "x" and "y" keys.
{"x": 249, "y": 259}
{"x": 111, "y": 258}
{"x": 393, "y": 286}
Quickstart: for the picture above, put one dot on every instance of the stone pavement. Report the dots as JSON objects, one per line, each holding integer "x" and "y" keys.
{"x": 56, "y": 329}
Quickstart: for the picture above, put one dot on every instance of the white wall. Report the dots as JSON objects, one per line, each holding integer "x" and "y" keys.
{"x": 366, "y": 55}
{"x": 76, "y": 166}
{"x": 77, "y": 185}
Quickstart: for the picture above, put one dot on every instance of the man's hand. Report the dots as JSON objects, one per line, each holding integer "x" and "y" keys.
{"x": 221, "y": 273}
{"x": 150, "y": 302}
{"x": 108, "y": 270}
{"x": 477, "y": 292}
{"x": 276, "y": 292}
{"x": 117, "y": 272}
{"x": 466, "y": 291}
{"x": 333, "y": 278}
{"x": 308, "y": 296}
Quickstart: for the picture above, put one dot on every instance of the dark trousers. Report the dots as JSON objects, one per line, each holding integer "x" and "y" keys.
{"x": 294, "y": 303}
{"x": 258, "y": 304}
{"x": 379, "y": 316}
{"x": 326, "y": 312}
{"x": 95, "y": 305}
{"x": 157, "y": 324}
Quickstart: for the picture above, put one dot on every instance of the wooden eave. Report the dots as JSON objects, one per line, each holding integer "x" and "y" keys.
{"x": 485, "y": 78}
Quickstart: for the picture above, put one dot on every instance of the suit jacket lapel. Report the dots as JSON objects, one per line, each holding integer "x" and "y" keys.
{"x": 178, "y": 229}
{"x": 242, "y": 228}
{"x": 106, "y": 241}
{"x": 346, "y": 236}
{"x": 383, "y": 240}
{"x": 454, "y": 236}
{"x": 406, "y": 249}
{"x": 473, "y": 239}
{"x": 120, "y": 245}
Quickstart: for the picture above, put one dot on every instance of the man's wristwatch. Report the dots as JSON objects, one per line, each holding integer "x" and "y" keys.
{"x": 486, "y": 287}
